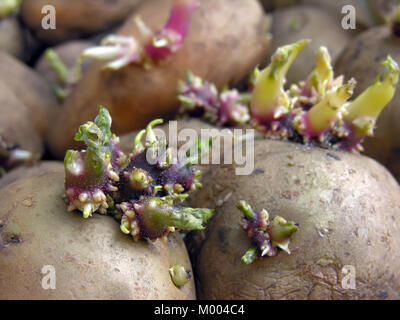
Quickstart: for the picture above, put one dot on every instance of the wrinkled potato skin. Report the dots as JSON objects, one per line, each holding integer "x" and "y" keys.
{"x": 93, "y": 259}
{"x": 348, "y": 210}
{"x": 214, "y": 49}
{"x": 335, "y": 7}
{"x": 15, "y": 125}
{"x": 362, "y": 60}
{"x": 33, "y": 91}
{"x": 41, "y": 169}
{"x": 315, "y": 24}
{"x": 69, "y": 53}
{"x": 75, "y": 18}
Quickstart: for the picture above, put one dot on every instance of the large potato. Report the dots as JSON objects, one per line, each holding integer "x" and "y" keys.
{"x": 92, "y": 258}
{"x": 33, "y": 91}
{"x": 40, "y": 169}
{"x": 308, "y": 22}
{"x": 362, "y": 60}
{"x": 15, "y": 124}
{"x": 226, "y": 39}
{"x": 348, "y": 211}
{"x": 75, "y": 18}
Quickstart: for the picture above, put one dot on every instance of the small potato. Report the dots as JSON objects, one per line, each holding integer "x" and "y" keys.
{"x": 33, "y": 91}
{"x": 40, "y": 169}
{"x": 92, "y": 258}
{"x": 16, "y": 126}
{"x": 308, "y": 22}
{"x": 226, "y": 39}
{"x": 75, "y": 18}
{"x": 348, "y": 210}
{"x": 362, "y": 60}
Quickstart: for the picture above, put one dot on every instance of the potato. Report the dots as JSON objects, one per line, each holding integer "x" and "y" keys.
{"x": 362, "y": 60}
{"x": 308, "y": 22}
{"x": 17, "y": 40}
{"x": 92, "y": 259}
{"x": 69, "y": 53}
{"x": 31, "y": 90}
{"x": 75, "y": 18}
{"x": 335, "y": 7}
{"x": 41, "y": 169}
{"x": 348, "y": 210}
{"x": 15, "y": 124}
{"x": 225, "y": 41}
{"x": 11, "y": 38}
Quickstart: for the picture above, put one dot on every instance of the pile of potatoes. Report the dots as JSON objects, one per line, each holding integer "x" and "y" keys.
{"x": 347, "y": 206}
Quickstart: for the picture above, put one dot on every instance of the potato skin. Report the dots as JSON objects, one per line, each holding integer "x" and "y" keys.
{"x": 312, "y": 23}
{"x": 348, "y": 211}
{"x": 40, "y": 169}
{"x": 33, "y": 91}
{"x": 92, "y": 258}
{"x": 75, "y": 18}
{"x": 226, "y": 39}
{"x": 15, "y": 124}
{"x": 362, "y": 60}
{"x": 11, "y": 38}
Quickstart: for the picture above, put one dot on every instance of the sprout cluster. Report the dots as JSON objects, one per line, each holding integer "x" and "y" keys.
{"x": 121, "y": 51}
{"x": 201, "y": 98}
{"x": 318, "y": 110}
{"x": 315, "y": 111}
{"x": 266, "y": 235}
{"x": 143, "y": 190}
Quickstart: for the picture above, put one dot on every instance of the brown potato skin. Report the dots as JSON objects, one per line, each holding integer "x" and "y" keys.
{"x": 15, "y": 125}
{"x": 316, "y": 24}
{"x": 75, "y": 18}
{"x": 362, "y": 60}
{"x": 335, "y": 7}
{"x": 33, "y": 91}
{"x": 93, "y": 259}
{"x": 69, "y": 53}
{"x": 223, "y": 45}
{"x": 348, "y": 211}
{"x": 40, "y": 169}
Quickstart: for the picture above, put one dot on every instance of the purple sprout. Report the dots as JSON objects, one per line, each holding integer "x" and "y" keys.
{"x": 200, "y": 98}
{"x": 143, "y": 189}
{"x": 266, "y": 235}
